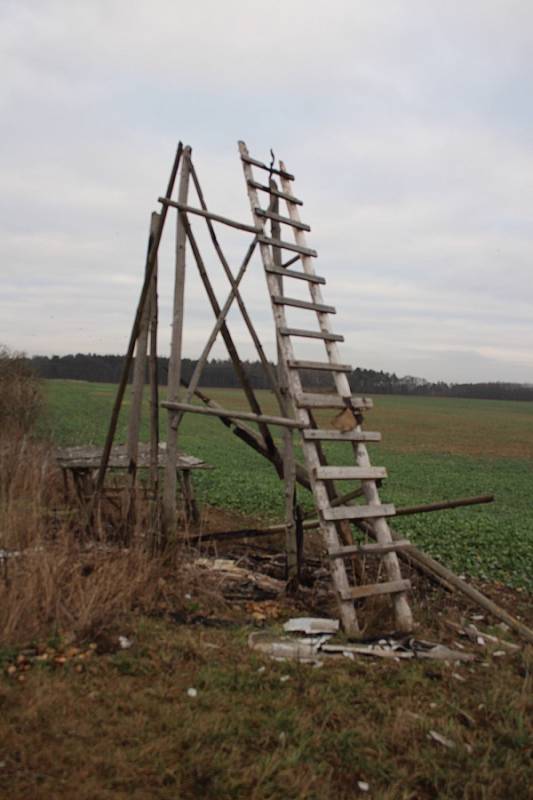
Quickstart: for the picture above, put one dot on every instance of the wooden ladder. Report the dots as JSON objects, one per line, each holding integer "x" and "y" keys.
{"x": 334, "y": 518}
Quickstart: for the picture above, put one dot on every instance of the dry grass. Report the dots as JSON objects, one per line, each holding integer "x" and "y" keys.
{"x": 54, "y": 578}
{"x": 20, "y": 392}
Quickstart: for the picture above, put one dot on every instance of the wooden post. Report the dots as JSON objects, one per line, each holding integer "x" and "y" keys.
{"x": 174, "y": 367}
{"x": 154, "y": 382}
{"x": 289, "y": 468}
{"x": 139, "y": 370}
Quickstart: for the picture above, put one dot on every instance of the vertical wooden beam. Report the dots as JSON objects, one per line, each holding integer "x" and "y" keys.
{"x": 174, "y": 366}
{"x": 154, "y": 380}
{"x": 150, "y": 259}
{"x": 139, "y": 373}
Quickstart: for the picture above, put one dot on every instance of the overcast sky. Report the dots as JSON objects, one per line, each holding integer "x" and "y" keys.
{"x": 408, "y": 126}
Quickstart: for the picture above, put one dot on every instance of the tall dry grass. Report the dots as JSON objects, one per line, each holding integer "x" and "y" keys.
{"x": 56, "y": 574}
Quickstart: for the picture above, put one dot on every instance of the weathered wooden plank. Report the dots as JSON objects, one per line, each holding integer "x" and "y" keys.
{"x": 265, "y": 419}
{"x": 295, "y": 248}
{"x": 320, "y": 366}
{"x": 260, "y": 212}
{"x": 271, "y": 170}
{"x": 262, "y": 188}
{"x": 293, "y": 301}
{"x": 328, "y": 337}
{"x": 359, "y": 512}
{"x": 319, "y": 400}
{"x": 339, "y": 436}
{"x": 373, "y": 548}
{"x": 292, "y": 273}
{"x": 174, "y": 362}
{"x": 139, "y": 371}
{"x": 200, "y": 212}
{"x": 350, "y": 473}
{"x": 376, "y": 589}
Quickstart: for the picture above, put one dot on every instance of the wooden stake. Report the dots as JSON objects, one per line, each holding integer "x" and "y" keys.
{"x": 139, "y": 373}
{"x": 174, "y": 366}
{"x": 154, "y": 381}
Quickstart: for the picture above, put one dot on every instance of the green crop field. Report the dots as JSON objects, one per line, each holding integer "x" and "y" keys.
{"x": 433, "y": 448}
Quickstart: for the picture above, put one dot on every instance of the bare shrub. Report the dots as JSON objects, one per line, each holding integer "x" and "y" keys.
{"x": 20, "y": 393}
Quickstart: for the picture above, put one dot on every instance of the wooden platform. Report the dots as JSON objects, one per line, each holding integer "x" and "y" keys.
{"x": 88, "y": 458}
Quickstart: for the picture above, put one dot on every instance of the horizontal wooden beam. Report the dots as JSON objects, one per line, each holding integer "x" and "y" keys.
{"x": 305, "y": 334}
{"x": 375, "y": 589}
{"x": 265, "y": 419}
{"x": 296, "y": 248}
{"x": 322, "y": 400}
{"x": 241, "y": 226}
{"x": 261, "y": 165}
{"x": 275, "y": 193}
{"x": 350, "y": 473}
{"x": 301, "y": 226}
{"x": 374, "y": 548}
{"x": 359, "y": 512}
{"x": 294, "y": 273}
{"x": 445, "y": 504}
{"x": 294, "y": 302}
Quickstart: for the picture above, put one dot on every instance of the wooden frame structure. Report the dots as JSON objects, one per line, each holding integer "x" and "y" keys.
{"x": 337, "y": 511}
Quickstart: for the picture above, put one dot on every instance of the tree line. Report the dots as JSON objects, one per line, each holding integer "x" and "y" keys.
{"x": 220, "y": 373}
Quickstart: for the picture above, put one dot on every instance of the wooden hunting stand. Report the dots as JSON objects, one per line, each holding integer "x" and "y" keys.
{"x": 300, "y": 410}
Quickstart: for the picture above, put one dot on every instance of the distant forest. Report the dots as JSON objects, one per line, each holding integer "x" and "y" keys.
{"x": 219, "y": 373}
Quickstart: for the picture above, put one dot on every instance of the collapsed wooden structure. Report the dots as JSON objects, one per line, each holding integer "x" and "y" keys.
{"x": 300, "y": 410}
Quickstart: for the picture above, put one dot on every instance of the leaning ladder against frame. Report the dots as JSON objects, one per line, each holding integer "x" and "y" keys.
{"x": 322, "y": 476}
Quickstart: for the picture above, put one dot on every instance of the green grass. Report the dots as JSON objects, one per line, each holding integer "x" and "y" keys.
{"x": 433, "y": 449}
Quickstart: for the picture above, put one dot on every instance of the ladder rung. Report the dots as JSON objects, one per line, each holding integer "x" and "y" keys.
{"x": 301, "y": 226}
{"x": 350, "y": 473}
{"x": 293, "y": 273}
{"x": 359, "y": 512}
{"x": 256, "y": 163}
{"x": 320, "y": 366}
{"x": 374, "y": 589}
{"x": 328, "y": 337}
{"x": 304, "y": 251}
{"x": 319, "y": 400}
{"x": 374, "y": 548}
{"x": 275, "y": 192}
{"x": 311, "y": 434}
{"x": 280, "y": 300}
